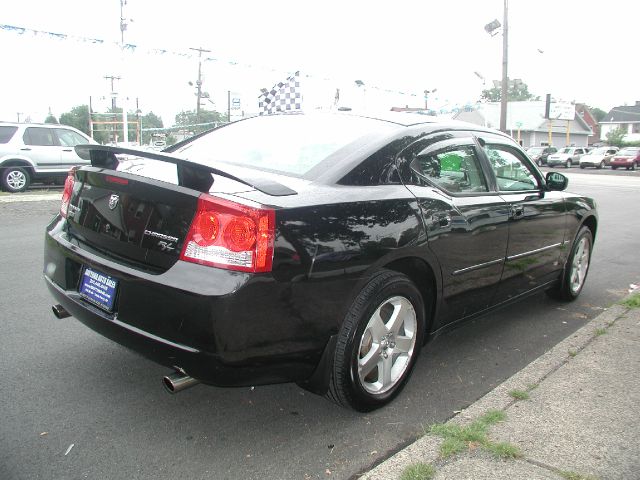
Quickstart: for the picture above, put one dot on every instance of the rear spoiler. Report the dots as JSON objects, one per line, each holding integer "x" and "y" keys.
{"x": 190, "y": 174}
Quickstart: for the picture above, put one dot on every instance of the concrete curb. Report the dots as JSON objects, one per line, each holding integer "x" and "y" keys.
{"x": 426, "y": 448}
{"x": 40, "y": 197}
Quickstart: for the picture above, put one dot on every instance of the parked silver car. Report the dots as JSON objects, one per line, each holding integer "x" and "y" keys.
{"x": 40, "y": 152}
{"x": 566, "y": 156}
{"x": 598, "y": 157}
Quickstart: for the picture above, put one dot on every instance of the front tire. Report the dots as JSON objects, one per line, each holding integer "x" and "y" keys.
{"x": 633, "y": 166}
{"x": 601, "y": 165}
{"x": 576, "y": 268}
{"x": 568, "y": 164}
{"x": 378, "y": 343}
{"x": 15, "y": 179}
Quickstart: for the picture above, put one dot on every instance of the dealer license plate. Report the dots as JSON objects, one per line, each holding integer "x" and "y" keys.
{"x": 98, "y": 288}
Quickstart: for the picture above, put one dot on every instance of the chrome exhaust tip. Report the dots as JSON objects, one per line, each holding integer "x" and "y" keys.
{"x": 60, "y": 312}
{"x": 176, "y": 382}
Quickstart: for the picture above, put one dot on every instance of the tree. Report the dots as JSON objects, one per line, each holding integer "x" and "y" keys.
{"x": 51, "y": 119}
{"x": 190, "y": 119}
{"x": 616, "y": 137}
{"x": 150, "y": 120}
{"x": 517, "y": 91}
{"x": 598, "y": 114}
{"x": 78, "y": 118}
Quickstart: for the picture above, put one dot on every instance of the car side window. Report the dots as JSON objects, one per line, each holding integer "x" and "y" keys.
{"x": 455, "y": 169}
{"x": 6, "y": 133}
{"x": 69, "y": 138}
{"x": 39, "y": 136}
{"x": 512, "y": 172}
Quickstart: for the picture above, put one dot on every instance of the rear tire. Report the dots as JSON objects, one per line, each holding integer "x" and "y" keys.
{"x": 633, "y": 166}
{"x": 614, "y": 167}
{"x": 601, "y": 165}
{"x": 15, "y": 179}
{"x": 568, "y": 164}
{"x": 378, "y": 343}
{"x": 575, "y": 269}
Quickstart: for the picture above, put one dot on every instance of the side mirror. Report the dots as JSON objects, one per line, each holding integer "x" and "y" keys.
{"x": 556, "y": 181}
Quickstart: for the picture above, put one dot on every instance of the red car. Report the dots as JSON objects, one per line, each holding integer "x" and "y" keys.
{"x": 628, "y": 157}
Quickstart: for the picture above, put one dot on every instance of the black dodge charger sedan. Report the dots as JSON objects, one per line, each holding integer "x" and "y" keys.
{"x": 324, "y": 249}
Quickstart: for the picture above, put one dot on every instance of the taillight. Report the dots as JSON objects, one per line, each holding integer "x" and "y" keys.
{"x": 66, "y": 193}
{"x": 229, "y": 235}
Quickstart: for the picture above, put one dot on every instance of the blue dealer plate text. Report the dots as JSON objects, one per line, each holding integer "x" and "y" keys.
{"x": 98, "y": 288}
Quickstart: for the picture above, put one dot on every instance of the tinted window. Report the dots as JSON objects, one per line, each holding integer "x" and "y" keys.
{"x": 6, "y": 133}
{"x": 455, "y": 169}
{"x": 69, "y": 138}
{"x": 291, "y": 144}
{"x": 39, "y": 136}
{"x": 512, "y": 173}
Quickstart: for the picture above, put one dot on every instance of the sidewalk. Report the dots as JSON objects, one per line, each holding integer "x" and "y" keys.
{"x": 574, "y": 413}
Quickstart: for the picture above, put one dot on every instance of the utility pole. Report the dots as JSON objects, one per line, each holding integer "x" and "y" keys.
{"x": 199, "y": 81}
{"x": 19, "y": 113}
{"x": 123, "y": 23}
{"x": 504, "y": 90}
{"x": 113, "y": 93}
{"x": 113, "y": 105}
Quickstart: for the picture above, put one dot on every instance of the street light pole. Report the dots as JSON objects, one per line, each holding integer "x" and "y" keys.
{"x": 504, "y": 90}
{"x": 426, "y": 97}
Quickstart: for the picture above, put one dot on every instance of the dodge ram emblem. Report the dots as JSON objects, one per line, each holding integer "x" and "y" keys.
{"x": 113, "y": 201}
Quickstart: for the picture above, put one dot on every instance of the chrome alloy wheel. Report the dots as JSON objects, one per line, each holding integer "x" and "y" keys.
{"x": 387, "y": 345}
{"x": 579, "y": 265}
{"x": 16, "y": 179}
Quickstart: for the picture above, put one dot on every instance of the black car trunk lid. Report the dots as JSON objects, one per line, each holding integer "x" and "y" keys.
{"x": 137, "y": 220}
{"x": 137, "y": 206}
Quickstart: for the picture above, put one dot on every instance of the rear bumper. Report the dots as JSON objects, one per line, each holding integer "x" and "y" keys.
{"x": 223, "y": 328}
{"x": 556, "y": 162}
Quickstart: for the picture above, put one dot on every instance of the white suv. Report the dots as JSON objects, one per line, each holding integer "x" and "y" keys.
{"x": 31, "y": 152}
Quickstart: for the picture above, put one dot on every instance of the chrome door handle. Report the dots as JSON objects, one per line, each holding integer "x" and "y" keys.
{"x": 443, "y": 220}
{"x": 517, "y": 211}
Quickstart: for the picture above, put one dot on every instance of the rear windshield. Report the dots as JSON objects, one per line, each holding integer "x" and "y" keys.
{"x": 536, "y": 150}
{"x": 6, "y": 132}
{"x": 289, "y": 144}
{"x": 598, "y": 151}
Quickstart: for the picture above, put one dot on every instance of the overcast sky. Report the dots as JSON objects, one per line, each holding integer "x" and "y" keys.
{"x": 585, "y": 51}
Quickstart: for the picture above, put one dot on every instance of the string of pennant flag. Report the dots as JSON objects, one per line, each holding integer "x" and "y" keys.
{"x": 132, "y": 48}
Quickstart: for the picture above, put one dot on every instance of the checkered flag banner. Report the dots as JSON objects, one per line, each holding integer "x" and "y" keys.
{"x": 283, "y": 97}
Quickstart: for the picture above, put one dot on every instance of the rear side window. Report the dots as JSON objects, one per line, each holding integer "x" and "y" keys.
{"x": 69, "y": 138}
{"x": 455, "y": 169}
{"x": 6, "y": 133}
{"x": 39, "y": 136}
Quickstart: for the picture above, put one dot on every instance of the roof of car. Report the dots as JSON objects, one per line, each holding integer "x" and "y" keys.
{"x": 31, "y": 124}
{"x": 407, "y": 119}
